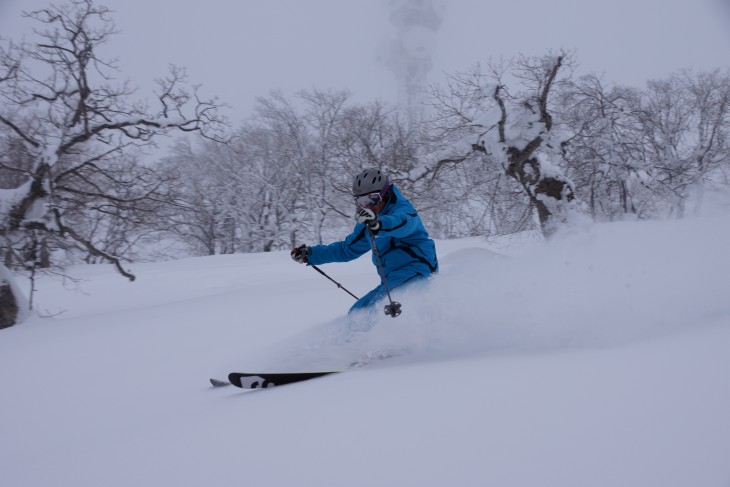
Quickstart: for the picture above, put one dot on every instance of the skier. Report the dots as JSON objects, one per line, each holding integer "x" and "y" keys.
{"x": 406, "y": 252}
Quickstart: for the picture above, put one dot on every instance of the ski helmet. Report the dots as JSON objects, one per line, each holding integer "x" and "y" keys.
{"x": 370, "y": 181}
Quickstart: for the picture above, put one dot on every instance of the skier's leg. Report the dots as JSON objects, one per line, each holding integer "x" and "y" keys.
{"x": 369, "y": 299}
{"x": 401, "y": 279}
{"x": 395, "y": 279}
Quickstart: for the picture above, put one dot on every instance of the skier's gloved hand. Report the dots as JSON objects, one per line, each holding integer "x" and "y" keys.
{"x": 366, "y": 216}
{"x": 300, "y": 254}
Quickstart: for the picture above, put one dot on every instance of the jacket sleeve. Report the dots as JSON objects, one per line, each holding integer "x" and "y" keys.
{"x": 351, "y": 248}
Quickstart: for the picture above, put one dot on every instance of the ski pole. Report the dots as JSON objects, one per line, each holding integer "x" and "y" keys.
{"x": 328, "y": 277}
{"x": 392, "y": 309}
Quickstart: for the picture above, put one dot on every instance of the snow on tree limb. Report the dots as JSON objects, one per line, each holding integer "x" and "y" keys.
{"x": 76, "y": 131}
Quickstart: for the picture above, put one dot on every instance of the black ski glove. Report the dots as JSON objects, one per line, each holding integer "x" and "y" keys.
{"x": 300, "y": 254}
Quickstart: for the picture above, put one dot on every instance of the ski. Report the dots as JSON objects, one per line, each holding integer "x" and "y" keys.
{"x": 246, "y": 380}
{"x": 219, "y": 383}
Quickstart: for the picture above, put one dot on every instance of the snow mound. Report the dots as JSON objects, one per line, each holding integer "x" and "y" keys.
{"x": 605, "y": 286}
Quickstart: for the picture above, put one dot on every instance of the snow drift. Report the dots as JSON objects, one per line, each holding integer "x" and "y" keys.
{"x": 597, "y": 359}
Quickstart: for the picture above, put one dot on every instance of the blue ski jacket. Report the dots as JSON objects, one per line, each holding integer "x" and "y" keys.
{"x": 406, "y": 251}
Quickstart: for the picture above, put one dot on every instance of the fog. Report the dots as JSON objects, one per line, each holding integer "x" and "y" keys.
{"x": 240, "y": 50}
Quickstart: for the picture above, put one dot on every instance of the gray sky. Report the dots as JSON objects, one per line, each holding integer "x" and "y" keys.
{"x": 240, "y": 49}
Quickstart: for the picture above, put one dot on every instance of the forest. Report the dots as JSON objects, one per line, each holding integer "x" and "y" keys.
{"x": 87, "y": 172}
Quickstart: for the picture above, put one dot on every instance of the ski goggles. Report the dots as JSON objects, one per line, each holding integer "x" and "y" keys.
{"x": 369, "y": 200}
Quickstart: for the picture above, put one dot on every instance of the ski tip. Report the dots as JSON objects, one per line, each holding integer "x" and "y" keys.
{"x": 219, "y": 383}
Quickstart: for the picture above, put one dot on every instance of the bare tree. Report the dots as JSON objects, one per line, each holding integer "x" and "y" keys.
{"x": 59, "y": 100}
{"x": 237, "y": 197}
{"x": 285, "y": 177}
{"x": 477, "y": 114}
{"x": 603, "y": 149}
{"x": 684, "y": 121}
{"x": 646, "y": 153}
{"x": 309, "y": 122}
{"x": 199, "y": 187}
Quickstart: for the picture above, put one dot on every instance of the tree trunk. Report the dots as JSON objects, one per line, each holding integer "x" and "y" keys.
{"x": 8, "y": 305}
{"x": 13, "y": 305}
{"x": 549, "y": 193}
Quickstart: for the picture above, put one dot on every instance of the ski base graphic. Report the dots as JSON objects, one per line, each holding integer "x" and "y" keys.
{"x": 246, "y": 380}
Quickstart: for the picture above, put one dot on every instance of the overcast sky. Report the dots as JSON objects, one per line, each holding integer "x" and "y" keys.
{"x": 240, "y": 49}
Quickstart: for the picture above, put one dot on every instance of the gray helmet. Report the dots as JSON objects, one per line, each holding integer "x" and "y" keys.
{"x": 369, "y": 181}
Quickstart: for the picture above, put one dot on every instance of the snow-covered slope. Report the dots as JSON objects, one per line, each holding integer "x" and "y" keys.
{"x": 600, "y": 359}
